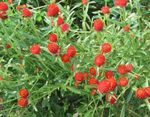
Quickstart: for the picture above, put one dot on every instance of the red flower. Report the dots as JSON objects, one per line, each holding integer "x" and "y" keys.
{"x": 71, "y": 51}
{"x": 7, "y": 45}
{"x": 103, "y": 86}
{"x": 126, "y": 28}
{"x": 93, "y": 81}
{"x": 65, "y": 58}
{"x": 3, "y": 6}
{"x": 60, "y": 20}
{"x": 53, "y": 48}
{"x": 98, "y": 24}
{"x": 79, "y": 76}
{"x": 136, "y": 76}
{"x": 123, "y": 81}
{"x": 23, "y": 93}
{"x": 111, "y": 98}
{"x": 64, "y": 27}
{"x": 121, "y": 3}
{"x": 52, "y": 37}
{"x": 1, "y": 78}
{"x": 122, "y": 69}
{"x": 92, "y": 71}
{"x": 76, "y": 83}
{"x": 84, "y": 2}
{"x": 22, "y": 102}
{"x": 105, "y": 10}
{"x": 99, "y": 60}
{"x": 19, "y": 7}
{"x": 140, "y": 93}
{"x": 109, "y": 74}
{"x": 52, "y": 9}
{"x": 86, "y": 75}
{"x": 113, "y": 83}
{"x": 129, "y": 67}
{"x": 35, "y": 49}
{"x": 10, "y": 1}
{"x": 3, "y": 15}
{"x": 106, "y": 47}
{"x": 147, "y": 90}
{"x": 26, "y": 12}
{"x": 93, "y": 92}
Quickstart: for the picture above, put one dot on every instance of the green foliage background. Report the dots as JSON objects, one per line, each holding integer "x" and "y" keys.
{"x": 50, "y": 82}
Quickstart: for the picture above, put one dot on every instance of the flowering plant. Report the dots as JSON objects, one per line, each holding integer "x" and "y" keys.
{"x": 84, "y": 58}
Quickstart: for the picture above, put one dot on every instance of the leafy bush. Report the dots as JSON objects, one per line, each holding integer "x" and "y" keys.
{"x": 66, "y": 73}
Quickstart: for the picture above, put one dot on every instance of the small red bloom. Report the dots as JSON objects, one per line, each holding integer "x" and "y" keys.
{"x": 71, "y": 51}
{"x": 123, "y": 81}
{"x": 105, "y": 10}
{"x": 35, "y": 49}
{"x": 113, "y": 83}
{"x": 122, "y": 69}
{"x": 140, "y": 93}
{"x": 76, "y": 83}
{"x": 20, "y": 7}
{"x": 99, "y": 60}
{"x": 3, "y": 15}
{"x": 86, "y": 75}
{"x": 92, "y": 71}
{"x": 93, "y": 92}
{"x": 136, "y": 76}
{"x": 26, "y": 12}
{"x": 10, "y": 1}
{"x": 65, "y": 58}
{"x": 1, "y": 78}
{"x": 98, "y": 24}
{"x": 23, "y": 93}
{"x": 93, "y": 81}
{"x": 79, "y": 76}
{"x": 7, "y": 45}
{"x": 22, "y": 102}
{"x": 147, "y": 90}
{"x": 129, "y": 67}
{"x": 64, "y": 27}
{"x": 106, "y": 47}
{"x": 103, "y": 86}
{"x": 109, "y": 74}
{"x": 121, "y": 3}
{"x": 60, "y": 20}
{"x": 84, "y": 2}
{"x": 3, "y": 6}
{"x": 52, "y": 9}
{"x": 111, "y": 98}
{"x": 53, "y": 37}
{"x": 126, "y": 28}
{"x": 53, "y": 48}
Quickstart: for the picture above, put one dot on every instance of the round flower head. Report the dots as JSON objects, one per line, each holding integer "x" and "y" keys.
{"x": 99, "y": 60}
{"x": 105, "y": 10}
{"x": 53, "y": 48}
{"x": 65, "y": 58}
{"x": 64, "y": 27}
{"x": 121, "y": 3}
{"x": 52, "y": 9}
{"x": 3, "y": 6}
{"x": 23, "y": 102}
{"x": 71, "y": 51}
{"x": 53, "y": 37}
{"x": 98, "y": 25}
{"x": 35, "y": 49}
{"x": 60, "y": 20}
{"x": 26, "y": 12}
